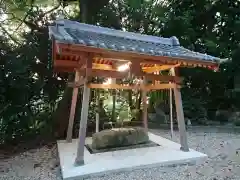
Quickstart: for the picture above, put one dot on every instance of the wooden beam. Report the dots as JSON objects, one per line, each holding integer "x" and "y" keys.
{"x": 53, "y": 48}
{"x": 135, "y": 69}
{"x": 180, "y": 117}
{"x": 106, "y": 73}
{"x": 77, "y": 84}
{"x": 162, "y": 86}
{"x": 75, "y": 52}
{"x": 63, "y": 69}
{"x": 83, "y": 126}
{"x": 171, "y": 111}
{"x": 140, "y": 87}
{"x": 75, "y": 64}
{"x": 145, "y": 105}
{"x": 112, "y": 86}
{"x": 103, "y": 67}
{"x": 97, "y": 98}
{"x": 98, "y": 73}
{"x": 121, "y": 75}
{"x": 164, "y": 78}
{"x": 89, "y": 63}
{"x": 159, "y": 68}
{"x": 66, "y": 64}
{"x": 72, "y": 110}
{"x": 130, "y": 55}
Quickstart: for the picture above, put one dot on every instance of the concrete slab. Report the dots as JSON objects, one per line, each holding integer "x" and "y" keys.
{"x": 167, "y": 153}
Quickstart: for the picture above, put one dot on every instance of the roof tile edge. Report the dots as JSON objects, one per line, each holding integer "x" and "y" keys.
{"x": 118, "y": 33}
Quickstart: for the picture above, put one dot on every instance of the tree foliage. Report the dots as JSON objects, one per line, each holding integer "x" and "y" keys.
{"x": 31, "y": 91}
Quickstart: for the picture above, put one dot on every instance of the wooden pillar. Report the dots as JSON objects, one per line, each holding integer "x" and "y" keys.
{"x": 72, "y": 111}
{"x": 145, "y": 105}
{"x": 113, "y": 118}
{"x": 180, "y": 117}
{"x": 83, "y": 126}
{"x": 98, "y": 108}
{"x": 171, "y": 111}
{"x": 84, "y": 115}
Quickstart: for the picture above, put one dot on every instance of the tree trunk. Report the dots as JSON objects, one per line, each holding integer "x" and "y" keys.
{"x": 61, "y": 115}
{"x": 83, "y": 10}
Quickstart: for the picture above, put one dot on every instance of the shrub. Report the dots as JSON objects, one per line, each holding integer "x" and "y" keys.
{"x": 237, "y": 123}
{"x": 222, "y": 116}
{"x": 194, "y": 110}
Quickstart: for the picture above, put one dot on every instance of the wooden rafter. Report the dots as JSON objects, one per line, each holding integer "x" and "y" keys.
{"x": 67, "y": 64}
{"x": 103, "y": 66}
{"x": 75, "y": 64}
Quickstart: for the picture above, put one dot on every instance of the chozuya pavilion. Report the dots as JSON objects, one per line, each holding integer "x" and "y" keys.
{"x": 93, "y": 51}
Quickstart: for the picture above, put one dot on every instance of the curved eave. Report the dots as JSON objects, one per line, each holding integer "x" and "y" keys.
{"x": 75, "y": 49}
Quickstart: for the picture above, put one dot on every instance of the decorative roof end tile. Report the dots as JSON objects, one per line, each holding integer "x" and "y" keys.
{"x": 102, "y": 45}
{"x": 91, "y": 43}
{"x": 175, "y": 41}
{"x": 60, "y": 20}
{"x": 80, "y": 41}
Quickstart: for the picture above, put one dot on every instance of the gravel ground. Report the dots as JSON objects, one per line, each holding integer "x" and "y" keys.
{"x": 223, "y": 163}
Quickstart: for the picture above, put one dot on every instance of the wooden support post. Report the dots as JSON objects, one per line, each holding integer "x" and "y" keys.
{"x": 83, "y": 126}
{"x": 180, "y": 117}
{"x": 145, "y": 106}
{"x": 97, "y": 95}
{"x": 113, "y": 118}
{"x": 171, "y": 109}
{"x": 72, "y": 111}
{"x": 84, "y": 117}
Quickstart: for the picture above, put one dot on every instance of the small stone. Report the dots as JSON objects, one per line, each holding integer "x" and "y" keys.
{"x": 222, "y": 156}
{"x": 36, "y": 165}
{"x": 172, "y": 165}
{"x": 55, "y": 165}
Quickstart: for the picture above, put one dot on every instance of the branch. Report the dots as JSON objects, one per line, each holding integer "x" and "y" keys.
{"x": 2, "y": 110}
{"x": 24, "y": 19}
{"x": 9, "y": 35}
{"x": 39, "y": 18}
{"x": 51, "y": 10}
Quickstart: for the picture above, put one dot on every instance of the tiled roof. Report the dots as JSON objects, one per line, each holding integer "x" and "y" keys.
{"x": 66, "y": 31}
